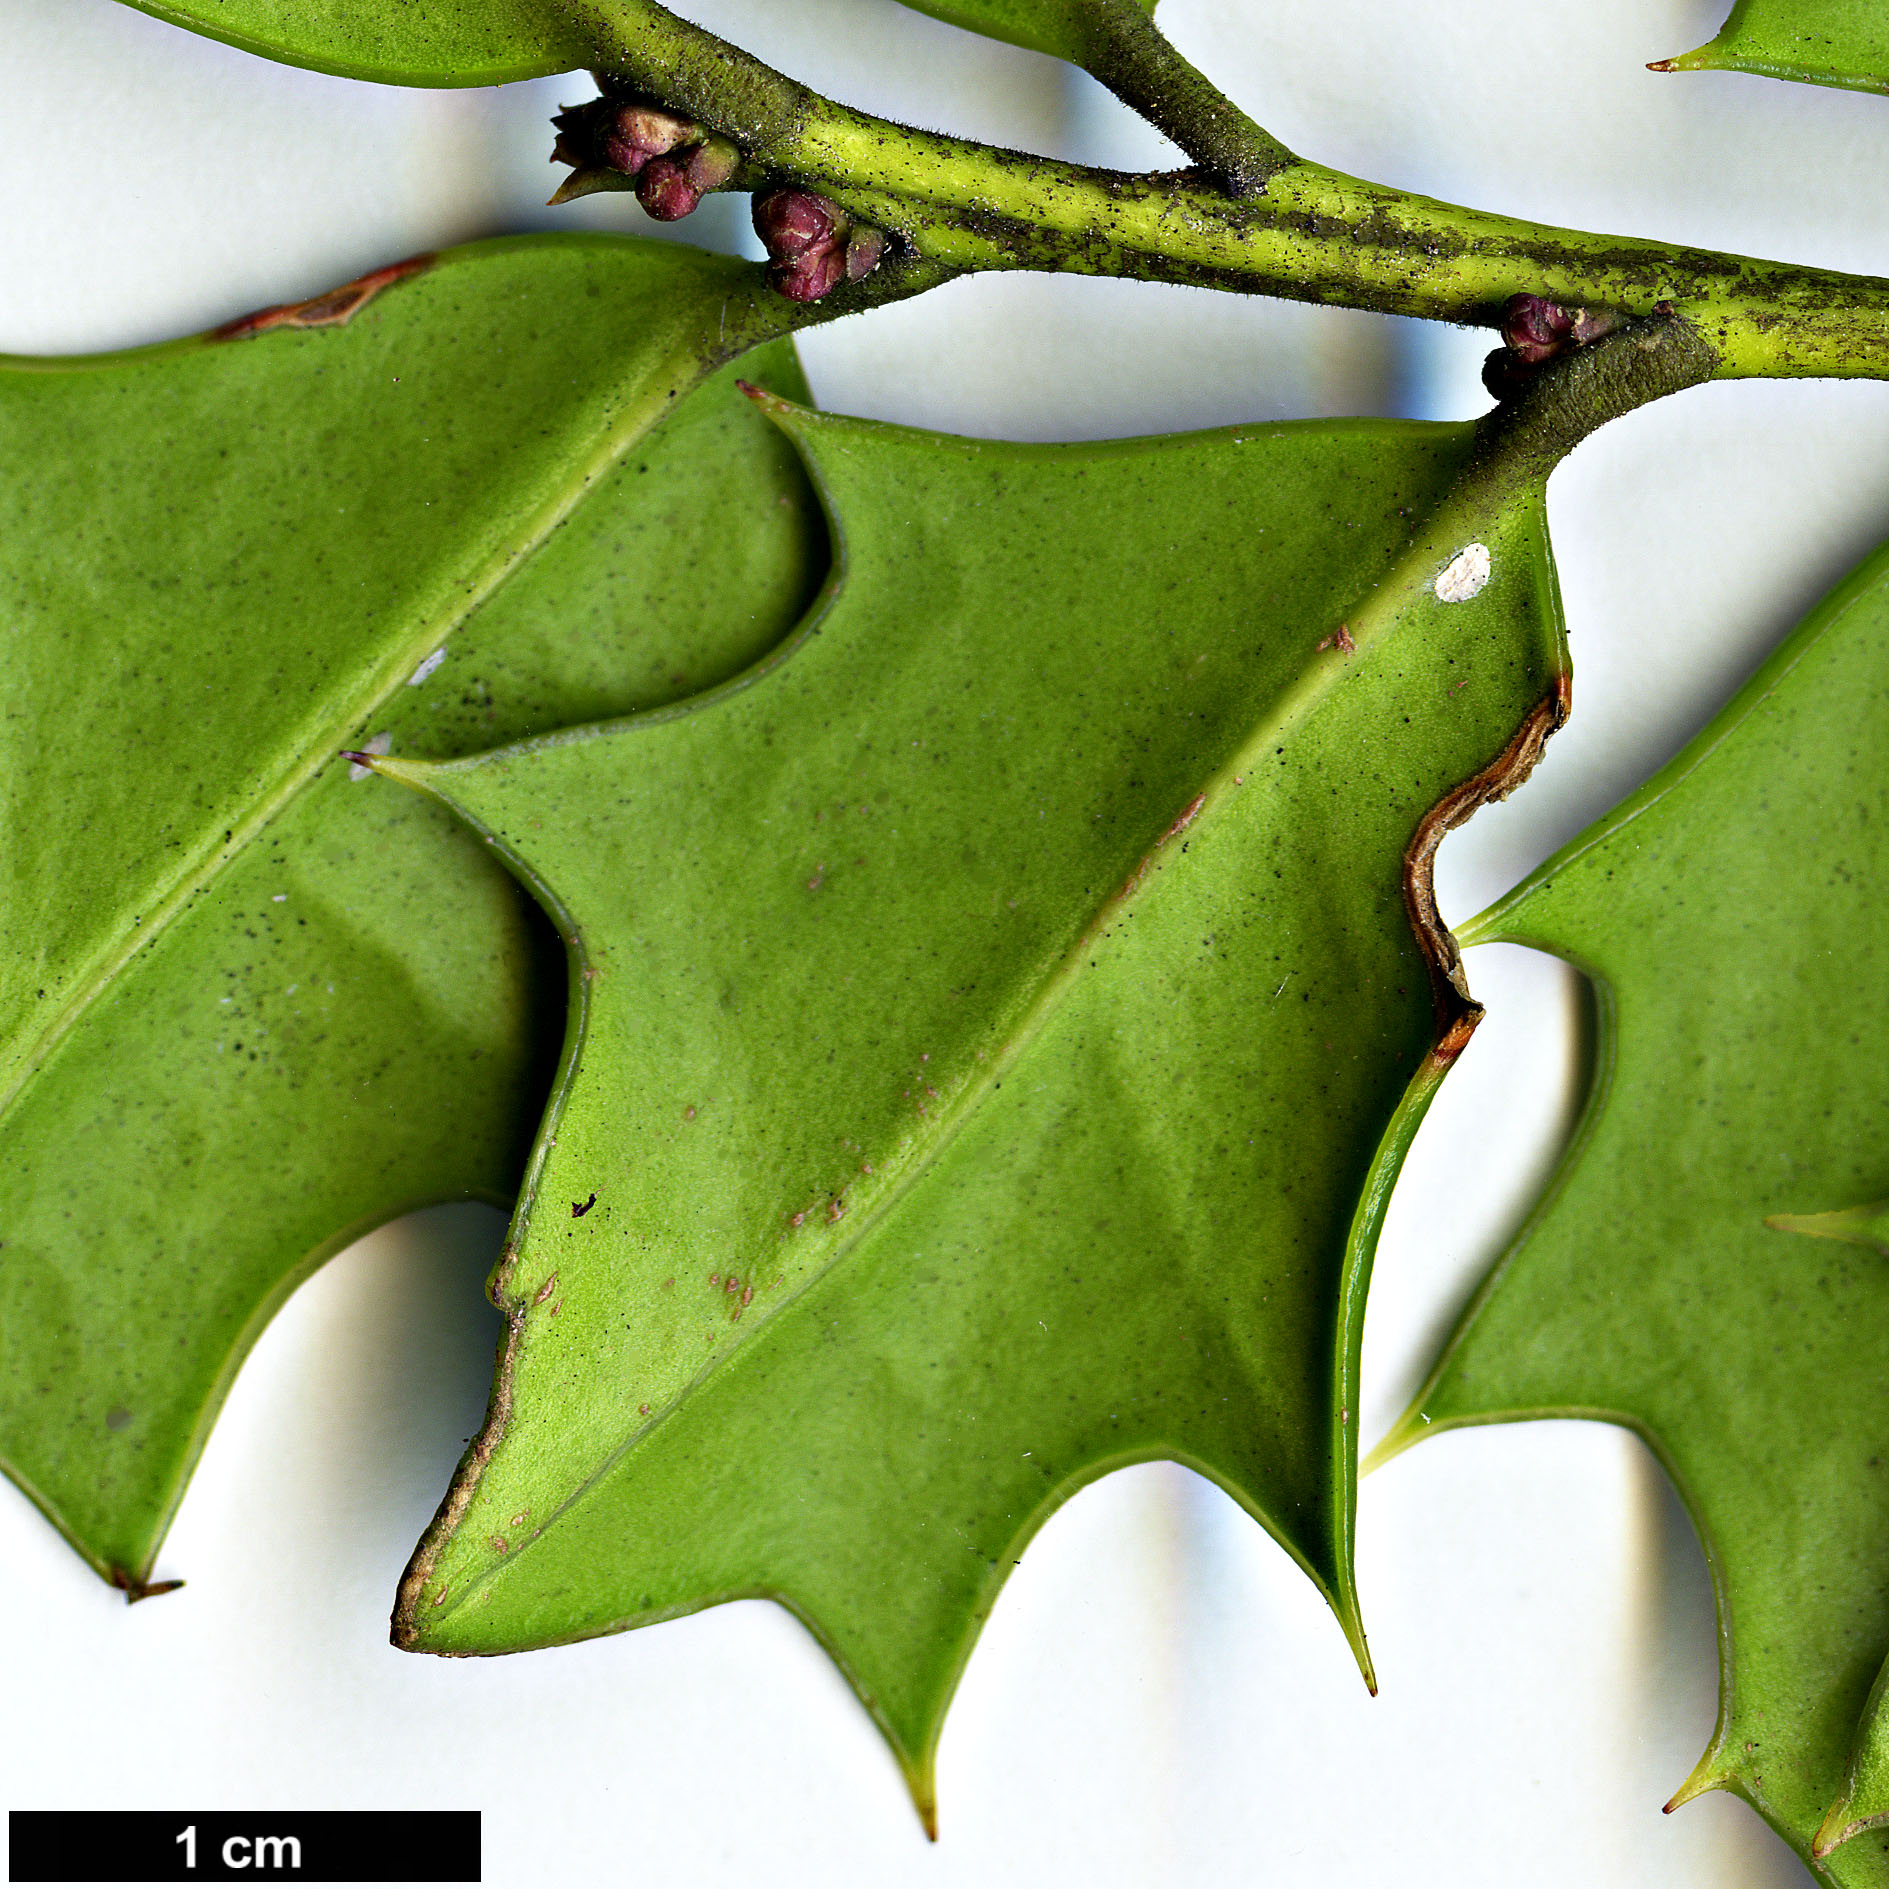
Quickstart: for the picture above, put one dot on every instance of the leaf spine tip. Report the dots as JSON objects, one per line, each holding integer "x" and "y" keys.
{"x": 135, "y": 1589}
{"x": 1703, "y": 1779}
{"x": 1838, "y": 1826}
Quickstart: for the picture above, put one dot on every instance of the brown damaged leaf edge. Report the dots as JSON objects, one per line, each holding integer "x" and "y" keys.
{"x": 1640, "y": 362}
{"x": 334, "y": 309}
{"x": 1528, "y": 436}
{"x": 1457, "y": 1016}
{"x": 413, "y": 1599}
{"x": 1457, "y": 1012}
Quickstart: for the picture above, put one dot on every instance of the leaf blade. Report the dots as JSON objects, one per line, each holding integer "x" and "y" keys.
{"x": 364, "y": 965}
{"x": 634, "y": 1406}
{"x": 342, "y": 639}
{"x": 453, "y": 43}
{"x": 1840, "y": 43}
{"x": 1722, "y": 913}
{"x": 1063, "y": 29}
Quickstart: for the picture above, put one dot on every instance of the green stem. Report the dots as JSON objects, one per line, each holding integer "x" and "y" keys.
{"x": 1122, "y": 46}
{"x": 762, "y": 316}
{"x": 1314, "y": 235}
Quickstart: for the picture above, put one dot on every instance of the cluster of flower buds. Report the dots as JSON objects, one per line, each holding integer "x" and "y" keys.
{"x": 1535, "y": 330}
{"x": 618, "y": 144}
{"x": 812, "y": 245}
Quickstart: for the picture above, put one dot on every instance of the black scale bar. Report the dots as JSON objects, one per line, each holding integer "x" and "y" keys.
{"x": 114, "y": 1846}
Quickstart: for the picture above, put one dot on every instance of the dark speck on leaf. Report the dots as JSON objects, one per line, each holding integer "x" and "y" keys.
{"x": 580, "y": 1208}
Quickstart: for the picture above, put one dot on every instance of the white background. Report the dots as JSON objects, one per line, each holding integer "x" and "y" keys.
{"x": 1159, "y": 1699}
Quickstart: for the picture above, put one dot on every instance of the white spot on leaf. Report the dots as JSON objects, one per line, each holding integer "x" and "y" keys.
{"x": 1464, "y": 575}
{"x": 426, "y": 668}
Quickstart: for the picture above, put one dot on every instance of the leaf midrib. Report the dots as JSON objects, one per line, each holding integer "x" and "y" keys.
{"x": 317, "y": 748}
{"x": 1371, "y": 625}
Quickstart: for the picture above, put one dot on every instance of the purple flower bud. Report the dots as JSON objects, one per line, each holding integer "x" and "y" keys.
{"x": 664, "y": 189}
{"x": 1505, "y": 373}
{"x": 633, "y": 134}
{"x": 813, "y": 244}
{"x": 807, "y": 277}
{"x": 711, "y": 163}
{"x": 863, "y": 250}
{"x": 1590, "y": 325}
{"x": 617, "y": 136}
{"x": 792, "y": 222}
{"x": 1537, "y": 329}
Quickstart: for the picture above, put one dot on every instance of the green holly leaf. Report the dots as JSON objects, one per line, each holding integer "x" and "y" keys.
{"x": 253, "y": 1008}
{"x": 1822, "y": 42}
{"x": 1863, "y": 1801}
{"x": 1729, "y": 915}
{"x": 396, "y": 42}
{"x": 990, "y": 1017}
{"x": 1065, "y": 29}
{"x": 489, "y": 42}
